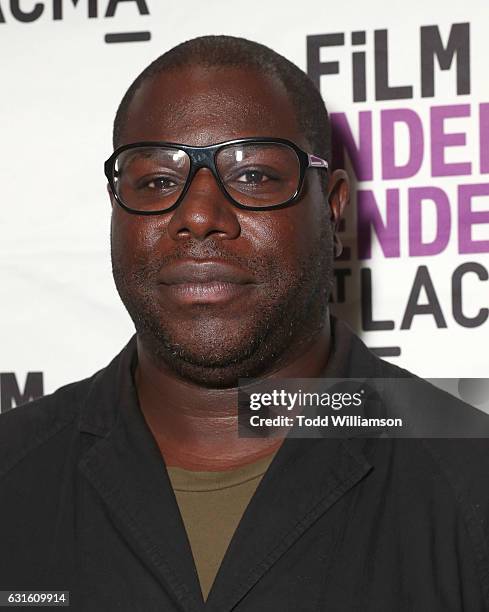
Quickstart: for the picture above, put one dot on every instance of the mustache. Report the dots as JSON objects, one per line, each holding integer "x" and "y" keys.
{"x": 207, "y": 250}
{"x": 195, "y": 249}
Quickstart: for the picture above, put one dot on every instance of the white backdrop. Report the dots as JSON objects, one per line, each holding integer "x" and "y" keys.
{"x": 61, "y": 84}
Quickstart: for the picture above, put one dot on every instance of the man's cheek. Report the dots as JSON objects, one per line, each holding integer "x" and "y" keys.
{"x": 150, "y": 235}
{"x": 275, "y": 247}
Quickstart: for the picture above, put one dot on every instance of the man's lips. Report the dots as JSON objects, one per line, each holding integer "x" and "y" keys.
{"x": 204, "y": 282}
{"x": 206, "y": 271}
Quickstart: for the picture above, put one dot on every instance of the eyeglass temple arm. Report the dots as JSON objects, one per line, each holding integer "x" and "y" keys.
{"x": 317, "y": 162}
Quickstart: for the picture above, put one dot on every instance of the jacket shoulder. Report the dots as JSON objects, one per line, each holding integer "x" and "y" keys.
{"x": 27, "y": 427}
{"x": 462, "y": 444}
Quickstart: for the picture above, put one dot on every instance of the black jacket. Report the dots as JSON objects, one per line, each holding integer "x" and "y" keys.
{"x": 336, "y": 525}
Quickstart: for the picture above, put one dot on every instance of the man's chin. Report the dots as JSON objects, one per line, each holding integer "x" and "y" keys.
{"x": 215, "y": 371}
{"x": 209, "y": 377}
{"x": 213, "y": 356}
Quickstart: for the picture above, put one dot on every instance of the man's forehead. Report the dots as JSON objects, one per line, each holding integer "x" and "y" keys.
{"x": 199, "y": 106}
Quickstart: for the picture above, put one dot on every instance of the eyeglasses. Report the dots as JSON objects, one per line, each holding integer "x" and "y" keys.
{"x": 150, "y": 178}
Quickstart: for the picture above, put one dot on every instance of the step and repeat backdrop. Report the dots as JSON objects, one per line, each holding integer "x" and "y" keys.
{"x": 407, "y": 87}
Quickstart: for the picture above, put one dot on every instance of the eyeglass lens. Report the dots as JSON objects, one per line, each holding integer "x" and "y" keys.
{"x": 254, "y": 174}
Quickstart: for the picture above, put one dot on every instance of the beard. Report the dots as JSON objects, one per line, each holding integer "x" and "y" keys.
{"x": 213, "y": 346}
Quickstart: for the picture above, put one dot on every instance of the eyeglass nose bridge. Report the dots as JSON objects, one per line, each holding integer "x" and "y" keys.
{"x": 202, "y": 158}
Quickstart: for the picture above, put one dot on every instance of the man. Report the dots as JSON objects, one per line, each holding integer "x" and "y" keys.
{"x": 132, "y": 489}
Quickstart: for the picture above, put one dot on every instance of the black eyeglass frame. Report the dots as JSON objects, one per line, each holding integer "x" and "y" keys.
{"x": 205, "y": 157}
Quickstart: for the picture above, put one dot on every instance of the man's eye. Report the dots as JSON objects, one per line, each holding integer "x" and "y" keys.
{"x": 253, "y": 177}
{"x": 160, "y": 183}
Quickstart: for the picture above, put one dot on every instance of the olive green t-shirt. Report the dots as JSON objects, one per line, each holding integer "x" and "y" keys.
{"x": 211, "y": 505}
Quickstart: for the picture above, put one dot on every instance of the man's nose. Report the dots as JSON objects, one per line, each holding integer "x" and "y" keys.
{"x": 205, "y": 211}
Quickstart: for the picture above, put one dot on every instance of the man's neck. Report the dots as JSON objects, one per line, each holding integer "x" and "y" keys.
{"x": 196, "y": 428}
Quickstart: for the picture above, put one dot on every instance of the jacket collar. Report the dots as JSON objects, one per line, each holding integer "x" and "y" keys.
{"x": 111, "y": 390}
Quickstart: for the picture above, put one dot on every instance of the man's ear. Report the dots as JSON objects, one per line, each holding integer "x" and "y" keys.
{"x": 339, "y": 195}
{"x": 338, "y": 199}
